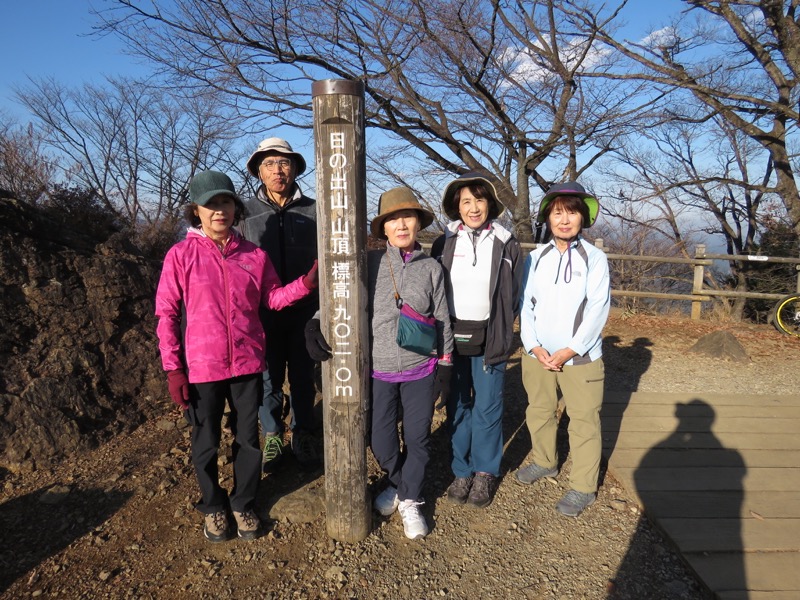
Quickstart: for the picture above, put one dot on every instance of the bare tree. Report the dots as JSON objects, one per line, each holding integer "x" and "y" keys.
{"x": 467, "y": 85}
{"x": 632, "y": 236}
{"x": 741, "y": 61}
{"x": 136, "y": 146}
{"x": 701, "y": 175}
{"x": 26, "y": 169}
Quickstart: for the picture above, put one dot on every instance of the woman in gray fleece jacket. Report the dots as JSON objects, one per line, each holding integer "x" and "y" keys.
{"x": 403, "y": 277}
{"x": 403, "y": 274}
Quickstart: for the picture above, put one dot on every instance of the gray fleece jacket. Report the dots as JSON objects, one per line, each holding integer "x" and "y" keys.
{"x": 420, "y": 282}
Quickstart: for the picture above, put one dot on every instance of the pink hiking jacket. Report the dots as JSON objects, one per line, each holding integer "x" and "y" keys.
{"x": 222, "y": 292}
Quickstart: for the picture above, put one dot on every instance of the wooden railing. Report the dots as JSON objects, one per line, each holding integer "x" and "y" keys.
{"x": 701, "y": 260}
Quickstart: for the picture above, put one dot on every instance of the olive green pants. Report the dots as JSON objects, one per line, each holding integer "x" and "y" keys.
{"x": 582, "y": 389}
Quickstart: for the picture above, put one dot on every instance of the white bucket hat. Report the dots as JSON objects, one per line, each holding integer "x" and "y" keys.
{"x": 278, "y": 145}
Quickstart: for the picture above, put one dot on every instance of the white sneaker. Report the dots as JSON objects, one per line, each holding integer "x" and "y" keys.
{"x": 414, "y": 524}
{"x": 386, "y": 502}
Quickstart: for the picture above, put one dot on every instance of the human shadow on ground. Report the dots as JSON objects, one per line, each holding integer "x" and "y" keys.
{"x": 690, "y": 487}
{"x": 624, "y": 366}
{"x": 40, "y": 524}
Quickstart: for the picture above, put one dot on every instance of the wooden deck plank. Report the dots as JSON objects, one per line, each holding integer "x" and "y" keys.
{"x": 778, "y": 572}
{"x": 759, "y": 595}
{"x": 711, "y": 478}
{"x": 668, "y": 410}
{"x": 755, "y": 441}
{"x": 748, "y": 424}
{"x": 733, "y": 535}
{"x": 715, "y": 400}
{"x": 727, "y": 494}
{"x": 750, "y": 505}
{"x": 671, "y": 457}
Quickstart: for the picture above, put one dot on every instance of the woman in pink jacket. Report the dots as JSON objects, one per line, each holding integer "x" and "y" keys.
{"x": 215, "y": 281}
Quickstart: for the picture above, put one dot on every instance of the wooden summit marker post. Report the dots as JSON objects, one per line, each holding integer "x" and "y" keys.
{"x": 342, "y": 227}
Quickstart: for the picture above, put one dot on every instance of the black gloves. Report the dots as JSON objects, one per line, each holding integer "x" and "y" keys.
{"x": 441, "y": 385}
{"x": 316, "y": 344}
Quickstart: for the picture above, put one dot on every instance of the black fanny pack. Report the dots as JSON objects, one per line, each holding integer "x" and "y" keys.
{"x": 470, "y": 337}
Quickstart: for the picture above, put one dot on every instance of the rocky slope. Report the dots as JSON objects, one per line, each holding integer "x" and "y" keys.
{"x": 77, "y": 337}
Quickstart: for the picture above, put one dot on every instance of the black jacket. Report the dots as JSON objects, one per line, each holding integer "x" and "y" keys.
{"x": 288, "y": 234}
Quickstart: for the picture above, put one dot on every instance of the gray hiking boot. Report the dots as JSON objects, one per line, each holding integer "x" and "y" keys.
{"x": 574, "y": 503}
{"x": 533, "y": 472}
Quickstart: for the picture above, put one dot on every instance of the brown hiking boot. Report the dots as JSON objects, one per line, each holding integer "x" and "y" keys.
{"x": 247, "y": 524}
{"x": 482, "y": 492}
{"x": 458, "y": 492}
{"x": 216, "y": 526}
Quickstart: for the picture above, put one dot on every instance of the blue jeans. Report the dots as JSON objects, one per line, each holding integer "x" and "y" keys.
{"x": 475, "y": 420}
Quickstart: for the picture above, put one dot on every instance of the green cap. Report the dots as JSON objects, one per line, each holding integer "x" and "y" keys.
{"x": 207, "y": 184}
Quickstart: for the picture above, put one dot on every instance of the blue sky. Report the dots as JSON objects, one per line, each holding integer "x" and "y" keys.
{"x": 50, "y": 38}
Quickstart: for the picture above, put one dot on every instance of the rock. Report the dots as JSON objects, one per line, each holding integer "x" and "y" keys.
{"x": 721, "y": 344}
{"x": 304, "y": 505}
{"x": 55, "y": 495}
{"x": 82, "y": 354}
{"x": 618, "y": 505}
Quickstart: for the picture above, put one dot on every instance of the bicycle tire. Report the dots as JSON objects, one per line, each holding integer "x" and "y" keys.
{"x": 787, "y": 315}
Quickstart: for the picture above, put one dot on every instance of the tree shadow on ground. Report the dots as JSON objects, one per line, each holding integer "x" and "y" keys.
{"x": 44, "y": 522}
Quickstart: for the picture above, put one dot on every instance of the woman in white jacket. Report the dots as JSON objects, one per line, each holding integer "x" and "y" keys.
{"x": 564, "y": 307}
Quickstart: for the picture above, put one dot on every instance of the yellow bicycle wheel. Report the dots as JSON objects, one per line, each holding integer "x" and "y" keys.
{"x": 787, "y": 315}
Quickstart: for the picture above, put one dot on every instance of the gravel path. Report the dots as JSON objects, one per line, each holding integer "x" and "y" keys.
{"x": 118, "y": 522}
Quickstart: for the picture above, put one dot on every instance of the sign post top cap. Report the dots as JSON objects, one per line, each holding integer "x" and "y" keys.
{"x": 326, "y": 87}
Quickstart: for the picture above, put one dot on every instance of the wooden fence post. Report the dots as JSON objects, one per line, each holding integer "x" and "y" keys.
{"x": 697, "y": 284}
{"x": 342, "y": 225}
{"x": 797, "y": 288}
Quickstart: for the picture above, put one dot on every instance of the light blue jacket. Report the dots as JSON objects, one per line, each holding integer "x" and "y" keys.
{"x": 565, "y": 300}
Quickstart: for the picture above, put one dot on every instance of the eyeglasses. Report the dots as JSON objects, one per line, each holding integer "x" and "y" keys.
{"x": 283, "y": 164}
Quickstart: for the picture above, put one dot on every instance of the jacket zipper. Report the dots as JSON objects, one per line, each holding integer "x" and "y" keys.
{"x": 224, "y": 264}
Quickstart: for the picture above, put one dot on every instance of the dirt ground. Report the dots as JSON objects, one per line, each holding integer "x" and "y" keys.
{"x": 119, "y": 522}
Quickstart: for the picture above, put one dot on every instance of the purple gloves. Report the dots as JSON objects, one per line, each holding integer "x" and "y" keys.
{"x": 179, "y": 387}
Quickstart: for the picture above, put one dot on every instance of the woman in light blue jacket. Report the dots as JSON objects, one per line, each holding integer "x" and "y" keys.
{"x": 564, "y": 307}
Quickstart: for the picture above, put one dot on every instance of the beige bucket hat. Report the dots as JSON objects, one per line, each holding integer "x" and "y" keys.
{"x": 278, "y": 145}
{"x": 394, "y": 200}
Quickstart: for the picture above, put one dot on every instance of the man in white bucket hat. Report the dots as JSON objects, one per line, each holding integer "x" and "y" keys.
{"x": 283, "y": 221}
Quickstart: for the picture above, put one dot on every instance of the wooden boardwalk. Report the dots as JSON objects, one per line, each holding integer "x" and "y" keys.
{"x": 720, "y": 475}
